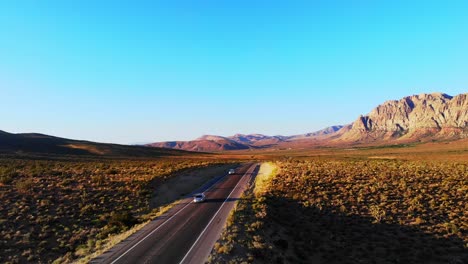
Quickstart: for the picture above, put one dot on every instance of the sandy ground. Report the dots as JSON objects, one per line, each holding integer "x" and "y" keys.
{"x": 185, "y": 183}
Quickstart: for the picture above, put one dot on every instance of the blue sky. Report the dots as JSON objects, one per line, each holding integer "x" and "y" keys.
{"x": 143, "y": 71}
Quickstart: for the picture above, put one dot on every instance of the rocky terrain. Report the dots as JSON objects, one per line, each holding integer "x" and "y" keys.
{"x": 412, "y": 118}
{"x": 317, "y": 134}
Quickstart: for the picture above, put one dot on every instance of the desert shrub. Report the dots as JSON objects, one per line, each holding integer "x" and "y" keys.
{"x": 24, "y": 185}
{"x": 71, "y": 195}
{"x": 113, "y": 171}
{"x": 7, "y": 175}
{"x": 5, "y": 179}
{"x": 357, "y": 211}
{"x": 377, "y": 213}
{"x": 99, "y": 179}
{"x": 122, "y": 219}
{"x": 223, "y": 248}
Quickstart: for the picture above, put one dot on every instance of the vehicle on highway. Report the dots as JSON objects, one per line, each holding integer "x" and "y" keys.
{"x": 199, "y": 197}
{"x": 231, "y": 171}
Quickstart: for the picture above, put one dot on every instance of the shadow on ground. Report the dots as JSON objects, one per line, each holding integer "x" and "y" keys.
{"x": 301, "y": 234}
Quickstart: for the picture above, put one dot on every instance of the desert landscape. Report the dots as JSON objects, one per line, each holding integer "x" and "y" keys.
{"x": 352, "y": 209}
{"x": 324, "y": 194}
{"x": 206, "y": 132}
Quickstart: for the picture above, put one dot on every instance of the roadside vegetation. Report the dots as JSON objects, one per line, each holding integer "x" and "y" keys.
{"x": 63, "y": 210}
{"x": 241, "y": 225}
{"x": 355, "y": 211}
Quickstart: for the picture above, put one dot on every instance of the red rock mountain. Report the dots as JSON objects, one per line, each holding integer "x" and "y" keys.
{"x": 412, "y": 118}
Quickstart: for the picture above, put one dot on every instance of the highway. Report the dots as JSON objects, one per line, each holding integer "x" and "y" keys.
{"x": 187, "y": 232}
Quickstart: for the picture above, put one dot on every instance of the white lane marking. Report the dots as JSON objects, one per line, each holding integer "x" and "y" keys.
{"x": 152, "y": 232}
{"x": 214, "y": 216}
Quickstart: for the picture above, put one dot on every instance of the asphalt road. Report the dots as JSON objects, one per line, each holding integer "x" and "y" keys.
{"x": 187, "y": 233}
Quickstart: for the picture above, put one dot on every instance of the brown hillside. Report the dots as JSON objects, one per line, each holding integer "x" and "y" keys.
{"x": 21, "y": 144}
{"x": 205, "y": 143}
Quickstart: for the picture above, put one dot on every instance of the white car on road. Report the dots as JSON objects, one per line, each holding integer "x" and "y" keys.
{"x": 199, "y": 197}
{"x": 231, "y": 171}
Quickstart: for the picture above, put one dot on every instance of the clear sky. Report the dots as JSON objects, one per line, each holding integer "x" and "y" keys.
{"x": 144, "y": 71}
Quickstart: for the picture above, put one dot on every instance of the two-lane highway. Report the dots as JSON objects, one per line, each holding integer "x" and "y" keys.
{"x": 187, "y": 233}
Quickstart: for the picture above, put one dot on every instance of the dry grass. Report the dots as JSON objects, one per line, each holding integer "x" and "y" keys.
{"x": 231, "y": 245}
{"x": 90, "y": 148}
{"x": 66, "y": 209}
{"x": 113, "y": 240}
{"x": 440, "y": 151}
{"x": 354, "y": 210}
{"x": 265, "y": 174}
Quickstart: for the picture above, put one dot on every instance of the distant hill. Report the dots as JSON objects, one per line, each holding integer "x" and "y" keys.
{"x": 435, "y": 116}
{"x": 205, "y": 143}
{"x": 211, "y": 143}
{"x": 258, "y": 140}
{"x": 321, "y": 133}
{"x": 49, "y": 145}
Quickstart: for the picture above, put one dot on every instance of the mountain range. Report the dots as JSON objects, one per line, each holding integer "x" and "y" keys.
{"x": 208, "y": 143}
{"x": 423, "y": 117}
{"x": 416, "y": 118}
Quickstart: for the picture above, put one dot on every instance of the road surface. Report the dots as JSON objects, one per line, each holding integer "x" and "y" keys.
{"x": 187, "y": 233}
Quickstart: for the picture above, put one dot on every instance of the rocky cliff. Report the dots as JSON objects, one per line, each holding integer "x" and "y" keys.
{"x": 435, "y": 116}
